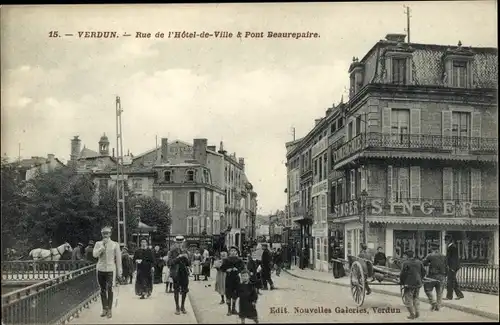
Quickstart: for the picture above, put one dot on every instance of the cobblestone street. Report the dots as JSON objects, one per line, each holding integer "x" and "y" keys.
{"x": 330, "y": 303}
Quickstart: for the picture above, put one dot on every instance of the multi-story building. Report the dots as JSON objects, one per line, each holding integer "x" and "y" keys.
{"x": 29, "y": 168}
{"x": 418, "y": 139}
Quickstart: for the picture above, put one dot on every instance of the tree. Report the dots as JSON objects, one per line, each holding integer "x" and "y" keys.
{"x": 154, "y": 212}
{"x": 13, "y": 208}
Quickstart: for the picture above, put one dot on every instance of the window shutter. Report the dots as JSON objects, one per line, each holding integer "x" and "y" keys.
{"x": 363, "y": 180}
{"x": 415, "y": 183}
{"x": 415, "y": 127}
{"x": 386, "y": 120}
{"x": 447, "y": 183}
{"x": 391, "y": 194}
{"x": 475, "y": 130}
{"x": 196, "y": 225}
{"x": 352, "y": 179}
{"x": 188, "y": 225}
{"x": 476, "y": 186}
{"x": 209, "y": 226}
{"x": 353, "y": 121}
{"x": 197, "y": 199}
{"x": 446, "y": 129}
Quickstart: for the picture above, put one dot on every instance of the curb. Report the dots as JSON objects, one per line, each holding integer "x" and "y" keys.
{"x": 193, "y": 313}
{"x": 467, "y": 310}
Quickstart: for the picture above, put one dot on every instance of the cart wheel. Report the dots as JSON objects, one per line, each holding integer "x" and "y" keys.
{"x": 358, "y": 283}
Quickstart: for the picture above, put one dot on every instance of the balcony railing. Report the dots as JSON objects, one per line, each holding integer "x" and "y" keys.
{"x": 419, "y": 208}
{"x": 416, "y": 142}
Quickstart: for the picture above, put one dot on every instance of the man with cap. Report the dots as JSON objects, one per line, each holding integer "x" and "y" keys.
{"x": 266, "y": 265}
{"x": 109, "y": 261}
{"x": 76, "y": 255}
{"x": 437, "y": 272}
{"x": 178, "y": 263}
{"x": 453, "y": 265}
{"x": 89, "y": 252}
{"x": 232, "y": 265}
{"x": 411, "y": 277}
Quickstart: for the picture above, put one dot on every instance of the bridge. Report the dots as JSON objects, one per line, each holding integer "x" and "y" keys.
{"x": 69, "y": 294}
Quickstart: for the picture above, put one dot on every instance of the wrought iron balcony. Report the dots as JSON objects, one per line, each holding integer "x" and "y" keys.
{"x": 420, "y": 209}
{"x": 376, "y": 141}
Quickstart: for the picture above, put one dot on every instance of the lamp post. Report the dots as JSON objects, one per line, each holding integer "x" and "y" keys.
{"x": 363, "y": 197}
{"x": 137, "y": 210}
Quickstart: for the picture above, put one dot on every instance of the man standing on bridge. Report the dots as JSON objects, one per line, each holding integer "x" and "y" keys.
{"x": 109, "y": 261}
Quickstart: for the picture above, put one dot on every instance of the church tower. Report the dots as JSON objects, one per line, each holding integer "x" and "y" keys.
{"x": 104, "y": 145}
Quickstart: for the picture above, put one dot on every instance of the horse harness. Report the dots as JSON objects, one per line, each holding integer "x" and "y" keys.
{"x": 52, "y": 254}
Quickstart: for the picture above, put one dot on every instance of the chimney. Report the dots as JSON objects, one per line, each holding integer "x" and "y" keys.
{"x": 221, "y": 148}
{"x": 50, "y": 156}
{"x": 113, "y": 152}
{"x": 212, "y": 148}
{"x": 242, "y": 162}
{"x": 200, "y": 150}
{"x": 75, "y": 148}
{"x": 164, "y": 150}
{"x": 316, "y": 121}
{"x": 399, "y": 38}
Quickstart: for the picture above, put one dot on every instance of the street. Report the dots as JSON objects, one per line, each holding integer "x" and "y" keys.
{"x": 297, "y": 301}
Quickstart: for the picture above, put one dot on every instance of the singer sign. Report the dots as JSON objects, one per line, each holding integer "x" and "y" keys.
{"x": 407, "y": 207}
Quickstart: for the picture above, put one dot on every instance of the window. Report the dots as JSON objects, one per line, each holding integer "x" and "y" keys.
{"x": 358, "y": 182}
{"x": 226, "y": 177}
{"x": 325, "y": 133}
{"x": 323, "y": 207}
{"x": 196, "y": 225}
{"x": 333, "y": 197}
{"x": 320, "y": 168}
{"x": 325, "y": 166}
{"x": 339, "y": 192}
{"x": 137, "y": 184}
{"x": 325, "y": 248}
{"x": 340, "y": 122}
{"x": 208, "y": 226}
{"x": 401, "y": 184}
{"x": 318, "y": 248}
{"x": 399, "y": 71}
{"x": 315, "y": 168}
{"x": 190, "y": 176}
{"x": 333, "y": 127}
{"x": 167, "y": 176}
{"x": 459, "y": 74}
{"x": 461, "y": 185}
{"x": 349, "y": 131}
{"x": 358, "y": 125}
{"x": 189, "y": 225}
{"x": 352, "y": 184}
{"x": 166, "y": 197}
{"x": 208, "y": 203}
{"x": 192, "y": 200}
{"x": 461, "y": 129}
{"x": 206, "y": 178}
{"x": 400, "y": 123}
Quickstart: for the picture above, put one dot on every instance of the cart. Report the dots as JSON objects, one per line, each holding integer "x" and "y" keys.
{"x": 363, "y": 273}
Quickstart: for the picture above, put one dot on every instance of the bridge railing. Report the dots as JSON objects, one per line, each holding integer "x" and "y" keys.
{"x": 52, "y": 301}
{"x": 39, "y": 270}
{"x": 481, "y": 278}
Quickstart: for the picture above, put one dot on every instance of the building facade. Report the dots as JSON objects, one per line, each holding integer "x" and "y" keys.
{"x": 413, "y": 152}
{"x": 29, "y": 168}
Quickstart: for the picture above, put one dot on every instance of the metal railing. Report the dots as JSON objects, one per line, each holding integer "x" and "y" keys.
{"x": 472, "y": 277}
{"x": 38, "y": 270}
{"x": 420, "y": 142}
{"x": 420, "y": 208}
{"x": 52, "y": 301}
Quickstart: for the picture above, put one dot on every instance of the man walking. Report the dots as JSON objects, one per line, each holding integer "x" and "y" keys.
{"x": 453, "y": 265}
{"x": 109, "y": 261}
{"x": 411, "y": 277}
{"x": 178, "y": 262}
{"x": 266, "y": 267}
{"x": 437, "y": 271}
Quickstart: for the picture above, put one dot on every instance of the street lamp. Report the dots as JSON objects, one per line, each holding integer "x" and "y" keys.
{"x": 363, "y": 198}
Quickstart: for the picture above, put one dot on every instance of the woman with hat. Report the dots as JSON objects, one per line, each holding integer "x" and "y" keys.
{"x": 144, "y": 259}
{"x": 232, "y": 265}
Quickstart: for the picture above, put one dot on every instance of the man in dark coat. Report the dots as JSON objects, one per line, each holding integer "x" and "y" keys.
{"x": 411, "y": 277}
{"x": 364, "y": 254}
{"x": 437, "y": 271}
{"x": 379, "y": 258}
{"x": 266, "y": 265}
{"x": 453, "y": 265}
{"x": 178, "y": 263}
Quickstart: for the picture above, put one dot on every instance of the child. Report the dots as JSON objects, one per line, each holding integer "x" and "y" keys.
{"x": 248, "y": 298}
{"x": 167, "y": 278}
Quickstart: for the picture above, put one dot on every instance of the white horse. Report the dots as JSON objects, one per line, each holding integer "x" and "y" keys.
{"x": 53, "y": 254}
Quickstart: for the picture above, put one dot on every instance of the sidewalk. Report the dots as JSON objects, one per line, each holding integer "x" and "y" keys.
{"x": 474, "y": 303}
{"x": 158, "y": 309}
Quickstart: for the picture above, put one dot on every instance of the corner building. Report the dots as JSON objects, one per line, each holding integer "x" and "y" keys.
{"x": 420, "y": 137}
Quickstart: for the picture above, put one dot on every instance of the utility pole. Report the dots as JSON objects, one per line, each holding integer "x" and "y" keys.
{"x": 120, "y": 178}
{"x": 407, "y": 12}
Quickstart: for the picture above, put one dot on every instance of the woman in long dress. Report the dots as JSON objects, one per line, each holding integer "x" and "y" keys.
{"x": 144, "y": 258}
{"x": 205, "y": 269}
{"x": 197, "y": 265}
{"x": 220, "y": 278}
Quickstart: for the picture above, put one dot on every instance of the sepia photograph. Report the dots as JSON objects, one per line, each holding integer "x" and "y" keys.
{"x": 329, "y": 162}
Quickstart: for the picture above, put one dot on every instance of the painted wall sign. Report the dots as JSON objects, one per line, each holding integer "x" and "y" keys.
{"x": 348, "y": 149}
{"x": 405, "y": 207}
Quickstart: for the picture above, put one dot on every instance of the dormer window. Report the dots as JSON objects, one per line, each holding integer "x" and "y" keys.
{"x": 459, "y": 74}
{"x": 399, "y": 67}
{"x": 167, "y": 176}
{"x": 206, "y": 177}
{"x": 190, "y": 176}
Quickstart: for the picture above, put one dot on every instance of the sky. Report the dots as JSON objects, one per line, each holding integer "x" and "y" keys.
{"x": 246, "y": 92}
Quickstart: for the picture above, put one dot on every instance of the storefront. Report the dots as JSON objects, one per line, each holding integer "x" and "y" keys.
{"x": 319, "y": 194}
